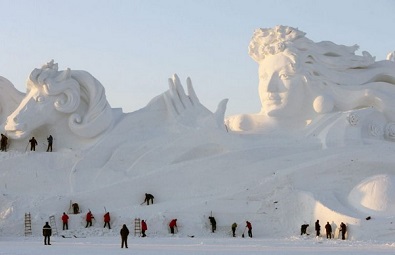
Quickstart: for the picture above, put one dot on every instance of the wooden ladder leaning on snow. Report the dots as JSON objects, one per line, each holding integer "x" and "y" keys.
{"x": 52, "y": 223}
{"x": 137, "y": 227}
{"x": 28, "y": 224}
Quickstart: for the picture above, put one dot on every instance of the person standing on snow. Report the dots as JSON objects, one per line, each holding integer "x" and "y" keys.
{"x": 317, "y": 227}
{"x": 47, "y": 232}
{"x": 172, "y": 225}
{"x": 107, "y": 220}
{"x": 143, "y": 228}
{"x": 249, "y": 227}
{"x": 124, "y": 236}
{"x": 234, "y": 226}
{"x": 89, "y": 218}
{"x": 65, "y": 220}
{"x": 343, "y": 229}
{"x": 213, "y": 223}
{"x": 50, "y": 140}
{"x": 33, "y": 143}
{"x": 3, "y": 142}
{"x": 303, "y": 229}
{"x": 328, "y": 230}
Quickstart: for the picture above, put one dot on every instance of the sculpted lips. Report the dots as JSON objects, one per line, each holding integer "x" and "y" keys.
{"x": 274, "y": 98}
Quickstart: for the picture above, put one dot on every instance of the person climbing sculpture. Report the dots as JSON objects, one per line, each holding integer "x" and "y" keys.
{"x": 148, "y": 197}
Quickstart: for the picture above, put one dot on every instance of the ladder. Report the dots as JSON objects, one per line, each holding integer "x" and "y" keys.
{"x": 52, "y": 223}
{"x": 28, "y": 224}
{"x": 137, "y": 227}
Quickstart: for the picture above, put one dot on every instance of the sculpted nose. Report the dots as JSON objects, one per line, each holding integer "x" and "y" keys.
{"x": 272, "y": 85}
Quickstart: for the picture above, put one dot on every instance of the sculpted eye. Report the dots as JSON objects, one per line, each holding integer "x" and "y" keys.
{"x": 284, "y": 76}
{"x": 40, "y": 99}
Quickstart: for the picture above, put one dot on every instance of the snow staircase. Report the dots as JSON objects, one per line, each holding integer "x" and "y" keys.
{"x": 52, "y": 223}
{"x": 137, "y": 227}
{"x": 28, "y": 224}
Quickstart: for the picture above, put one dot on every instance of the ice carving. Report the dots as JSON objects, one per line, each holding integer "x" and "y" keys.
{"x": 53, "y": 96}
{"x": 301, "y": 80}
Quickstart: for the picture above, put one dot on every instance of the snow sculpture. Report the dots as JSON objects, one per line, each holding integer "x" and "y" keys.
{"x": 10, "y": 98}
{"x": 302, "y": 83}
{"x": 391, "y": 56}
{"x": 59, "y": 99}
{"x": 188, "y": 110}
{"x": 375, "y": 195}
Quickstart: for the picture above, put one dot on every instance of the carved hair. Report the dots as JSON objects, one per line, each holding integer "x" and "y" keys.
{"x": 74, "y": 89}
{"x": 351, "y": 80}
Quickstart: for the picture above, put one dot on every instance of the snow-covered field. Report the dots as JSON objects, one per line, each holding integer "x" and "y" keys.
{"x": 277, "y": 184}
{"x": 198, "y": 246}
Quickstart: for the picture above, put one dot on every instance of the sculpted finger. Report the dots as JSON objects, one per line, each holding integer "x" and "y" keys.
{"x": 191, "y": 92}
{"x": 175, "y": 98}
{"x": 181, "y": 93}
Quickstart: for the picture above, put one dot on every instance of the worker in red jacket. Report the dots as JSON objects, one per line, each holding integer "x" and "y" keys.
{"x": 249, "y": 227}
{"x": 89, "y": 218}
{"x": 143, "y": 228}
{"x": 65, "y": 220}
{"x": 107, "y": 220}
{"x": 173, "y": 223}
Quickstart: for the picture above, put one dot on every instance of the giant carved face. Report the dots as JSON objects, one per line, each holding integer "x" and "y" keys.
{"x": 281, "y": 89}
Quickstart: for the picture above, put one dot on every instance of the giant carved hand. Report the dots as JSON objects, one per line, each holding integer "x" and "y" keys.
{"x": 188, "y": 110}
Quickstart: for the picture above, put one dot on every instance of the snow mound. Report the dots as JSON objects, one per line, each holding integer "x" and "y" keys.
{"x": 375, "y": 195}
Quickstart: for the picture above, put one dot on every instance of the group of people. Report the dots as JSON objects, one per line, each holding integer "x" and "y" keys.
{"x": 247, "y": 227}
{"x": 124, "y": 232}
{"x": 89, "y": 217}
{"x": 33, "y": 143}
{"x": 328, "y": 229}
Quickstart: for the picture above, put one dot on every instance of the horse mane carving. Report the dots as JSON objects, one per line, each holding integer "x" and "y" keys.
{"x": 76, "y": 93}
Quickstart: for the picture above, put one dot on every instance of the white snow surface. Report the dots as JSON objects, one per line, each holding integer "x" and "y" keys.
{"x": 276, "y": 182}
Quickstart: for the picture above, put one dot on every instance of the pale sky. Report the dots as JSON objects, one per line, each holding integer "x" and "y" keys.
{"x": 134, "y": 46}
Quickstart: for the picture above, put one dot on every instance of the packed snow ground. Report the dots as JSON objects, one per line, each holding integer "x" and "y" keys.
{"x": 198, "y": 246}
